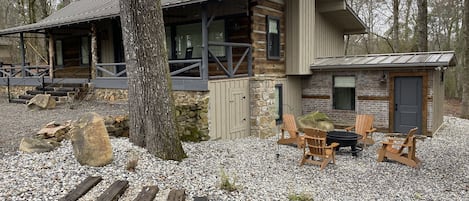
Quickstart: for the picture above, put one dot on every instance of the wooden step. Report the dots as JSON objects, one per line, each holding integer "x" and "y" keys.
{"x": 114, "y": 191}
{"x": 82, "y": 189}
{"x": 19, "y": 100}
{"x": 40, "y": 88}
{"x": 53, "y": 93}
{"x": 148, "y": 193}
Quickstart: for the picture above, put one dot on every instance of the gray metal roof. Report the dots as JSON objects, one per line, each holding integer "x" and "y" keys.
{"x": 84, "y": 11}
{"x": 394, "y": 60}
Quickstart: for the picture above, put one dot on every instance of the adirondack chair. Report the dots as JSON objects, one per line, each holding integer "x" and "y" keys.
{"x": 289, "y": 125}
{"x": 364, "y": 127}
{"x": 317, "y": 149}
{"x": 394, "y": 150}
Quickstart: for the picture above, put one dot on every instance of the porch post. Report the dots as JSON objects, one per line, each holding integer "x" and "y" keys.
{"x": 23, "y": 55}
{"x": 51, "y": 55}
{"x": 94, "y": 51}
{"x": 204, "y": 43}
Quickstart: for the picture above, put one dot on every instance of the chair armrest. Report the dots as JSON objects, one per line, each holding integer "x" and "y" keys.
{"x": 349, "y": 128}
{"x": 371, "y": 130}
{"x": 333, "y": 145}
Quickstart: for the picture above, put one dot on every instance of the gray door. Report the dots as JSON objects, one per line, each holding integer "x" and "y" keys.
{"x": 408, "y": 104}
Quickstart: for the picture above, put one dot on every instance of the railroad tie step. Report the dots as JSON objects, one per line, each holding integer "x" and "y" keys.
{"x": 176, "y": 195}
{"x": 148, "y": 193}
{"x": 82, "y": 188}
{"x": 114, "y": 191}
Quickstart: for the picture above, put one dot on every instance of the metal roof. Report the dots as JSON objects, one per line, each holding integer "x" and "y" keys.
{"x": 394, "y": 60}
{"x": 84, "y": 11}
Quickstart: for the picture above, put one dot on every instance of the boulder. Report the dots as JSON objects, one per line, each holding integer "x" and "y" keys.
{"x": 35, "y": 145}
{"x": 54, "y": 131}
{"x": 42, "y": 101}
{"x": 90, "y": 141}
{"x": 316, "y": 120}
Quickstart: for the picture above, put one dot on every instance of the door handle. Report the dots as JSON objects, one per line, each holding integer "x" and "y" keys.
{"x": 395, "y": 107}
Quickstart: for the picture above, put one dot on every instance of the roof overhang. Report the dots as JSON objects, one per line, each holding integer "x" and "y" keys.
{"x": 341, "y": 14}
{"x": 414, "y": 60}
{"x": 85, "y": 11}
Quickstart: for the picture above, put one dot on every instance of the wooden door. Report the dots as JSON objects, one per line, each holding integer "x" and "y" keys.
{"x": 407, "y": 104}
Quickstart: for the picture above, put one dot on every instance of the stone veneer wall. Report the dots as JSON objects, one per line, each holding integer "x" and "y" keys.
{"x": 15, "y": 91}
{"x": 372, "y": 97}
{"x": 191, "y": 110}
{"x": 262, "y": 92}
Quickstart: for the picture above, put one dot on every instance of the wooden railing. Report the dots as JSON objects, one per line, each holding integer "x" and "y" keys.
{"x": 101, "y": 70}
{"x": 230, "y": 69}
{"x": 12, "y": 70}
{"x": 186, "y": 68}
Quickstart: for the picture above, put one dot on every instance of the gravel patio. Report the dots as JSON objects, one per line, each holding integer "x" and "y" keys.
{"x": 259, "y": 174}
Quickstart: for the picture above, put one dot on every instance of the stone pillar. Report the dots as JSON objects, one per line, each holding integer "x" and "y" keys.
{"x": 51, "y": 55}
{"x": 94, "y": 51}
{"x": 262, "y": 92}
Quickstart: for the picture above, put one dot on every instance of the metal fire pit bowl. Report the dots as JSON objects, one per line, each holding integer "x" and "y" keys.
{"x": 345, "y": 139}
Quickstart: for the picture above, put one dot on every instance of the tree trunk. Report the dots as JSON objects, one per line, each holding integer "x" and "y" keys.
{"x": 152, "y": 119}
{"x": 395, "y": 26}
{"x": 422, "y": 32}
{"x": 465, "y": 91}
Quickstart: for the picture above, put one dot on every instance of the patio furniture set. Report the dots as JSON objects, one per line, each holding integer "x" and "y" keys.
{"x": 319, "y": 146}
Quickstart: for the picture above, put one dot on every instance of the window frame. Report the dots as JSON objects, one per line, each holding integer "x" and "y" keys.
{"x": 268, "y": 39}
{"x": 59, "y": 55}
{"x": 352, "y": 99}
{"x": 279, "y": 120}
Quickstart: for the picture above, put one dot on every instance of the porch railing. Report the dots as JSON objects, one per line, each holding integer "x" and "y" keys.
{"x": 186, "y": 68}
{"x": 103, "y": 69}
{"x": 12, "y": 70}
{"x": 230, "y": 69}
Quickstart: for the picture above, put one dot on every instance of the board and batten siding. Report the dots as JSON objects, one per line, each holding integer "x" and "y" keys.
{"x": 437, "y": 101}
{"x": 329, "y": 38}
{"x": 300, "y": 35}
{"x": 292, "y": 93}
{"x": 229, "y": 108}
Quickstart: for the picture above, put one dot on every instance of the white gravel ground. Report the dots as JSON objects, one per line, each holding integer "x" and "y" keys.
{"x": 259, "y": 174}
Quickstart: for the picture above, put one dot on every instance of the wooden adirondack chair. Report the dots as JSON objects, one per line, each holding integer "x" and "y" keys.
{"x": 364, "y": 127}
{"x": 289, "y": 125}
{"x": 398, "y": 154}
{"x": 316, "y": 148}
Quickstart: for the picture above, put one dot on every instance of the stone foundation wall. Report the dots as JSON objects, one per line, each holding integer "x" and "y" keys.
{"x": 262, "y": 92}
{"x": 191, "y": 110}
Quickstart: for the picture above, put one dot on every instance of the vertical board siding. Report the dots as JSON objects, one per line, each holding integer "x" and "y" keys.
{"x": 300, "y": 22}
{"x": 329, "y": 39}
{"x": 227, "y": 109}
{"x": 438, "y": 101}
{"x": 292, "y": 93}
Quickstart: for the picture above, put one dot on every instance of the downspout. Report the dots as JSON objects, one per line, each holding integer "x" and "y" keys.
{"x": 23, "y": 55}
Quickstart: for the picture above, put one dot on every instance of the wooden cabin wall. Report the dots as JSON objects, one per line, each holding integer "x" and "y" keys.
{"x": 259, "y": 11}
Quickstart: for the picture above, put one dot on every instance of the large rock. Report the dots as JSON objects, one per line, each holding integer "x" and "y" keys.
{"x": 90, "y": 141}
{"x": 54, "y": 131}
{"x": 35, "y": 145}
{"x": 42, "y": 101}
{"x": 316, "y": 120}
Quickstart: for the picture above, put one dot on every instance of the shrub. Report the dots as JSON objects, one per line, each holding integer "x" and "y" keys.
{"x": 226, "y": 184}
{"x": 300, "y": 197}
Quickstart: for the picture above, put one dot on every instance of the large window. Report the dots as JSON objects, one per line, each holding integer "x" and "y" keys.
{"x": 85, "y": 50}
{"x": 188, "y": 40}
{"x": 273, "y": 37}
{"x": 59, "y": 59}
{"x": 278, "y": 103}
{"x": 344, "y": 93}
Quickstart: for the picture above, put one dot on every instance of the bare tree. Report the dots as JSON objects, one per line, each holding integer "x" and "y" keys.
{"x": 152, "y": 119}
{"x": 422, "y": 30}
{"x": 395, "y": 26}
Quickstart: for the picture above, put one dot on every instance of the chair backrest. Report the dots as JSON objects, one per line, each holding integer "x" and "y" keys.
{"x": 315, "y": 141}
{"x": 408, "y": 138}
{"x": 363, "y": 123}
{"x": 289, "y": 124}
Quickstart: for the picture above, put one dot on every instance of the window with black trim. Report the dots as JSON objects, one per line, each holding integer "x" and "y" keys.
{"x": 85, "y": 50}
{"x": 278, "y": 110}
{"x": 344, "y": 93}
{"x": 273, "y": 37}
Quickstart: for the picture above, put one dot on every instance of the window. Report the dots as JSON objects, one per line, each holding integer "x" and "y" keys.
{"x": 85, "y": 50}
{"x": 169, "y": 45}
{"x": 189, "y": 37}
{"x": 273, "y": 37}
{"x": 278, "y": 110}
{"x": 58, "y": 53}
{"x": 344, "y": 93}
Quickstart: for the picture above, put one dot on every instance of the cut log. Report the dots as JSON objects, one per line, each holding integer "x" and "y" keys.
{"x": 114, "y": 191}
{"x": 148, "y": 193}
{"x": 82, "y": 188}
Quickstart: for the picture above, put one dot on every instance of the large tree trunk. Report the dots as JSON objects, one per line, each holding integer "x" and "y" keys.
{"x": 152, "y": 119}
{"x": 395, "y": 26}
{"x": 465, "y": 91}
{"x": 422, "y": 32}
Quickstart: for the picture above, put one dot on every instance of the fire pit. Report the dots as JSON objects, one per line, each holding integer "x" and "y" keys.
{"x": 344, "y": 139}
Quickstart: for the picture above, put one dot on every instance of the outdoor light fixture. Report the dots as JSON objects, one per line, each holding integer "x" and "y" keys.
{"x": 383, "y": 78}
